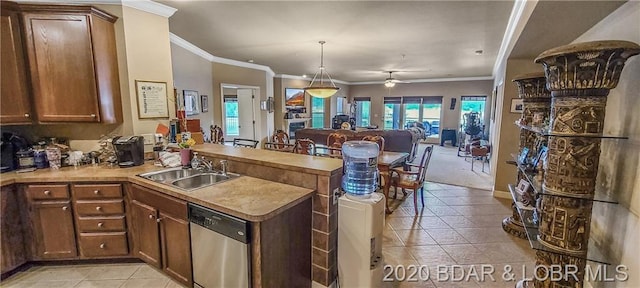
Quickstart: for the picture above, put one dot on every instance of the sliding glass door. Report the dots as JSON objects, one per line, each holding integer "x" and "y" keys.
{"x": 363, "y": 111}
{"x": 392, "y": 111}
{"x": 317, "y": 112}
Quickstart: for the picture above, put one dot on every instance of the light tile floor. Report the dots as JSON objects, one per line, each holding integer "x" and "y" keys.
{"x": 130, "y": 275}
{"x": 460, "y": 228}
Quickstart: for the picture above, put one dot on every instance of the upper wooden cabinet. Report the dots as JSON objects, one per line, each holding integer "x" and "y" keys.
{"x": 16, "y": 108}
{"x": 73, "y": 67}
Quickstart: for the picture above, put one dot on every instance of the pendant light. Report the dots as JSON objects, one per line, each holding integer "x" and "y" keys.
{"x": 321, "y": 90}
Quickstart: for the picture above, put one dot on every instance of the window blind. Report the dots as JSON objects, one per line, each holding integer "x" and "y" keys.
{"x": 392, "y": 100}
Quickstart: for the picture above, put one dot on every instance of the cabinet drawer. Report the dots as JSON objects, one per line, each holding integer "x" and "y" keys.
{"x": 103, "y": 244}
{"x": 46, "y": 192}
{"x": 107, "y": 207}
{"x": 97, "y": 191}
{"x": 100, "y": 224}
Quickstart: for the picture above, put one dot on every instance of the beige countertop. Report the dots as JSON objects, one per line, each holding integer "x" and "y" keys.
{"x": 244, "y": 197}
{"x": 290, "y": 161}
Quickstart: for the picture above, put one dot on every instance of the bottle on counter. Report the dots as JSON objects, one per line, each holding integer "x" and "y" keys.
{"x": 40, "y": 156}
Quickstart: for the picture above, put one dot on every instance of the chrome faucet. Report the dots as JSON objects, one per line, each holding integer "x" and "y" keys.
{"x": 223, "y": 167}
{"x": 207, "y": 164}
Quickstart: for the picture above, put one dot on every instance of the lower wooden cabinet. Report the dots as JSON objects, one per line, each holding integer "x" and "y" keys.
{"x": 103, "y": 244}
{"x": 53, "y": 230}
{"x": 146, "y": 233}
{"x": 11, "y": 236}
{"x": 161, "y": 232}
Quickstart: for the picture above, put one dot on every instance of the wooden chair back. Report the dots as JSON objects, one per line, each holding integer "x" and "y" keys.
{"x": 375, "y": 138}
{"x": 279, "y": 139}
{"x": 247, "y": 143}
{"x": 216, "y": 135}
{"x": 424, "y": 163}
{"x": 335, "y": 140}
{"x": 305, "y": 146}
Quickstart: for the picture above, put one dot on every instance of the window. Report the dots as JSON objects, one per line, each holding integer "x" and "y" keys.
{"x": 431, "y": 118}
{"x": 472, "y": 104}
{"x": 392, "y": 112}
{"x": 363, "y": 111}
{"x": 317, "y": 112}
{"x": 340, "y": 105}
{"x": 231, "y": 115}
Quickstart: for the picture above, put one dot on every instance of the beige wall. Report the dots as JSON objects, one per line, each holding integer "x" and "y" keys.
{"x": 617, "y": 227}
{"x": 449, "y": 90}
{"x": 142, "y": 43}
{"x": 229, "y": 74}
{"x": 508, "y": 133}
{"x": 192, "y": 72}
{"x": 279, "y": 84}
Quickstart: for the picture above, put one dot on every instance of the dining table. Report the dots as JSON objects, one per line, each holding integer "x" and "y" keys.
{"x": 386, "y": 161}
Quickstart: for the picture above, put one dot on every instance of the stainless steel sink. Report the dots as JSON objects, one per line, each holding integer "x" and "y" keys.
{"x": 187, "y": 179}
{"x": 201, "y": 180}
{"x": 168, "y": 175}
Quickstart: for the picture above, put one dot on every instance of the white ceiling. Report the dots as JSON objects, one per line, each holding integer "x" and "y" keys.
{"x": 420, "y": 39}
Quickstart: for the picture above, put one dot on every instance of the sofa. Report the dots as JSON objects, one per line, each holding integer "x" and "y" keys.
{"x": 394, "y": 140}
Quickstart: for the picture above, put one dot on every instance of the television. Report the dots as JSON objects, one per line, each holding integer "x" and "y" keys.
{"x": 294, "y": 97}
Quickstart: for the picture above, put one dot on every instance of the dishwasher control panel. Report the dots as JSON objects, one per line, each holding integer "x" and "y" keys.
{"x": 224, "y": 224}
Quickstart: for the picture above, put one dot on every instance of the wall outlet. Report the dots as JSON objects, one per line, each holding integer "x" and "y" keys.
{"x": 336, "y": 194}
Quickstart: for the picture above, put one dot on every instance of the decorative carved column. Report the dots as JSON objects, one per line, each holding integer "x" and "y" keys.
{"x": 536, "y": 100}
{"x": 579, "y": 77}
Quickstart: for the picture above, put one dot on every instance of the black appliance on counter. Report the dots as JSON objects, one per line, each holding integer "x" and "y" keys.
{"x": 341, "y": 118}
{"x": 10, "y": 145}
{"x": 129, "y": 150}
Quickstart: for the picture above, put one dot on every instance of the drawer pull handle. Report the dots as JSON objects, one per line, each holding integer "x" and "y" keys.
{"x": 65, "y": 208}
{"x": 26, "y": 115}
{"x": 96, "y": 192}
{"x": 98, "y": 208}
{"x": 102, "y": 245}
{"x": 47, "y": 192}
{"x": 159, "y": 219}
{"x": 100, "y": 224}
{"x": 151, "y": 216}
{"x": 93, "y": 115}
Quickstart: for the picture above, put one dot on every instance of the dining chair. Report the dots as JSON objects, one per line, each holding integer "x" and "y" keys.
{"x": 246, "y": 143}
{"x": 334, "y": 144}
{"x": 377, "y": 139}
{"x": 305, "y": 146}
{"x": 412, "y": 179}
{"x": 217, "y": 136}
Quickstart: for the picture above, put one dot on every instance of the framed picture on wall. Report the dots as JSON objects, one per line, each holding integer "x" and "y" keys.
{"x": 204, "y": 103}
{"x": 190, "y": 102}
{"x": 152, "y": 99}
{"x": 516, "y": 105}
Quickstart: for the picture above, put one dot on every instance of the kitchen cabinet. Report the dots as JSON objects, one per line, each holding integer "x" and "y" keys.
{"x": 14, "y": 81}
{"x": 72, "y": 63}
{"x": 100, "y": 220}
{"x": 161, "y": 232}
{"x": 11, "y": 238}
{"x": 52, "y": 222}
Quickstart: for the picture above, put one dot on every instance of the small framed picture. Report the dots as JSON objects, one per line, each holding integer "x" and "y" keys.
{"x": 523, "y": 186}
{"x": 522, "y": 159}
{"x": 204, "y": 103}
{"x": 190, "y": 102}
{"x": 516, "y": 105}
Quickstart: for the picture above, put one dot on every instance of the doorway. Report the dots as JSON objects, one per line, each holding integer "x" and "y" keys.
{"x": 473, "y": 104}
{"x": 239, "y": 112}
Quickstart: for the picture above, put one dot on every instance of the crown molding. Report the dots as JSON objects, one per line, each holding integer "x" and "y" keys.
{"x": 520, "y": 14}
{"x": 432, "y": 80}
{"x": 151, "y": 7}
{"x": 296, "y": 77}
{"x": 175, "y": 39}
{"x": 142, "y": 5}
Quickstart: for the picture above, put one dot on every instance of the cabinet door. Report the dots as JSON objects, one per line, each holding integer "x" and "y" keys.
{"x": 176, "y": 248}
{"x": 53, "y": 228}
{"x": 14, "y": 93}
{"x": 11, "y": 238}
{"x": 61, "y": 67}
{"x": 146, "y": 235}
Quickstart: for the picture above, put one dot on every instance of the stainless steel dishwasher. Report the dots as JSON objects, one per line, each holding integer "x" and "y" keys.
{"x": 219, "y": 249}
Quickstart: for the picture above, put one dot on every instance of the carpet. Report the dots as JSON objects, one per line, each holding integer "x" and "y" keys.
{"x": 446, "y": 167}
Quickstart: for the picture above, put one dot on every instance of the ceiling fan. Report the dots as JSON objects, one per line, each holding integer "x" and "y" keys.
{"x": 390, "y": 81}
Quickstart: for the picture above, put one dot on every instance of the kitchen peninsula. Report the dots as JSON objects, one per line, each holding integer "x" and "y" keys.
{"x": 293, "y": 229}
